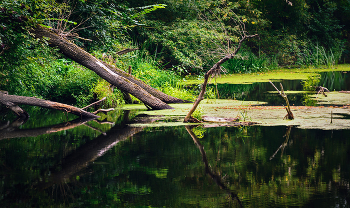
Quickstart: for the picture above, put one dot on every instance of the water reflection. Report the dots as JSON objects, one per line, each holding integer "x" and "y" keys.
{"x": 124, "y": 166}
{"x": 208, "y": 170}
{"x": 11, "y": 130}
{"x": 284, "y": 144}
{"x": 88, "y": 153}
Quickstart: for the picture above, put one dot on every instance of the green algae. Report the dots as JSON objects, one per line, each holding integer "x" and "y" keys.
{"x": 273, "y": 75}
{"x": 292, "y": 92}
{"x": 333, "y": 98}
{"x": 252, "y": 111}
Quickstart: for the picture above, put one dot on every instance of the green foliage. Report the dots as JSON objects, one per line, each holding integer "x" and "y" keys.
{"x": 210, "y": 93}
{"x": 310, "y": 85}
{"x": 199, "y": 131}
{"x": 198, "y": 113}
{"x": 247, "y": 62}
{"x": 47, "y": 77}
{"x": 103, "y": 89}
{"x": 147, "y": 70}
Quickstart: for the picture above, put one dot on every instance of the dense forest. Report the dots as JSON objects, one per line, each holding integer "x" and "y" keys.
{"x": 174, "y": 39}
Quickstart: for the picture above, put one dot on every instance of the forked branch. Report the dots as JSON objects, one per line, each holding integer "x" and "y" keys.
{"x": 215, "y": 70}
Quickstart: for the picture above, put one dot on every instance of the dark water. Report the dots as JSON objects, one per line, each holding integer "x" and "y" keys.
{"x": 48, "y": 162}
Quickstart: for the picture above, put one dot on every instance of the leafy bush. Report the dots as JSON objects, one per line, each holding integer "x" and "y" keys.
{"x": 103, "y": 89}
{"x": 247, "y": 62}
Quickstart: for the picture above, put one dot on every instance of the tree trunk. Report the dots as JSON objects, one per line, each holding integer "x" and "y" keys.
{"x": 122, "y": 80}
{"x": 12, "y": 100}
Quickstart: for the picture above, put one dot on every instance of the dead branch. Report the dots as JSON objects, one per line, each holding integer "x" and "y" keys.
{"x": 126, "y": 51}
{"x": 322, "y": 90}
{"x": 92, "y": 104}
{"x": 105, "y": 111}
{"x": 289, "y": 115}
{"x": 216, "y": 69}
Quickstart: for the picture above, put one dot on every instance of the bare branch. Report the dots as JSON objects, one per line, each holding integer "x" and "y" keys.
{"x": 92, "y": 104}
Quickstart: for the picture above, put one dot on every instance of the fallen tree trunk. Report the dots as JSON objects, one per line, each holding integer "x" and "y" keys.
{"x": 13, "y": 100}
{"x": 122, "y": 80}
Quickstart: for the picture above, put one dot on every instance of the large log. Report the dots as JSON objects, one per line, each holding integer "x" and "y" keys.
{"x": 12, "y": 101}
{"x": 116, "y": 77}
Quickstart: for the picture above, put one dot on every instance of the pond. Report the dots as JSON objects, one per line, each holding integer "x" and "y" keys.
{"x": 333, "y": 80}
{"x": 55, "y": 160}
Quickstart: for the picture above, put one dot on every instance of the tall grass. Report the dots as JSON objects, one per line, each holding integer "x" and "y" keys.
{"x": 318, "y": 56}
{"x": 248, "y": 62}
{"x": 148, "y": 69}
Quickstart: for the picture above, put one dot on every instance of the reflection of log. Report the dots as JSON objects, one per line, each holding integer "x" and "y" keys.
{"x": 10, "y": 132}
{"x": 13, "y": 100}
{"x": 89, "y": 152}
{"x": 213, "y": 175}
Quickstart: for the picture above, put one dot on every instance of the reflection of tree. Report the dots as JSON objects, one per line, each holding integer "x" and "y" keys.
{"x": 284, "y": 144}
{"x": 71, "y": 166}
{"x": 208, "y": 170}
{"x": 334, "y": 80}
{"x": 10, "y": 130}
{"x": 89, "y": 152}
{"x": 92, "y": 150}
